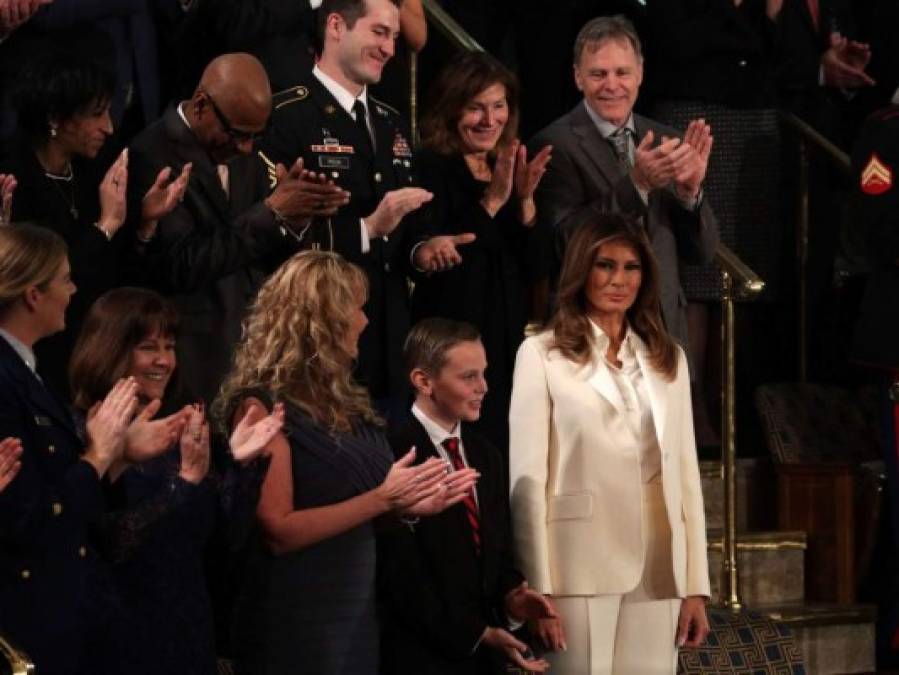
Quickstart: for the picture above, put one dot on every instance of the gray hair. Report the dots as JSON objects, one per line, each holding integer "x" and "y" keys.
{"x": 604, "y": 28}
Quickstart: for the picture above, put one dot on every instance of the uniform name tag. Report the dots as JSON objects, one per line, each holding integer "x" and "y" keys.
{"x": 42, "y": 421}
{"x": 333, "y": 162}
{"x": 345, "y": 149}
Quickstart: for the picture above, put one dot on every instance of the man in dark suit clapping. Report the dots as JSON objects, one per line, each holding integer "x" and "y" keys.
{"x": 606, "y": 158}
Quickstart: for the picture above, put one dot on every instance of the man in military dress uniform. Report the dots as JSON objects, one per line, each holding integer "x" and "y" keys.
{"x": 875, "y": 206}
{"x": 330, "y": 121}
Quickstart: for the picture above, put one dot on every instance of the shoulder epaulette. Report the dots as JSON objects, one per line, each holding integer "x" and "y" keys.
{"x": 291, "y": 95}
{"x": 381, "y": 103}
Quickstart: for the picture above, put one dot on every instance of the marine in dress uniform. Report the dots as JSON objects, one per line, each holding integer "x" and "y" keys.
{"x": 369, "y": 158}
{"x": 875, "y": 207}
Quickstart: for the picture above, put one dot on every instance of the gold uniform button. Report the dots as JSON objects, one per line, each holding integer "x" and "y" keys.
{"x": 57, "y": 508}
{"x": 51, "y": 449}
{"x": 378, "y": 177}
{"x": 82, "y": 551}
{"x": 26, "y": 574}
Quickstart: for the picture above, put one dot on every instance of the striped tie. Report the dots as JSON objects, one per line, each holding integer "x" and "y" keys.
{"x": 471, "y": 506}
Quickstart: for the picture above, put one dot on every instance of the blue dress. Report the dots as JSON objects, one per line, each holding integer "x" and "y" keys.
{"x": 155, "y": 537}
{"x": 313, "y": 610}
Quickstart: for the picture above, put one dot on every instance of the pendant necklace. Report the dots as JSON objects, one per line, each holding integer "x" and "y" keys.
{"x": 69, "y": 178}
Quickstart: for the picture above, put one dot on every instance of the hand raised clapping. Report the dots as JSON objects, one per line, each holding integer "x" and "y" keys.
{"x": 253, "y": 433}
{"x": 195, "y": 446}
{"x": 10, "y": 460}
{"x": 107, "y": 424}
{"x": 7, "y": 188}
{"x": 681, "y": 163}
{"x": 113, "y": 189}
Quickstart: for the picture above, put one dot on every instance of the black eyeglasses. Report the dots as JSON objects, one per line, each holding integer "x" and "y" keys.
{"x": 236, "y": 135}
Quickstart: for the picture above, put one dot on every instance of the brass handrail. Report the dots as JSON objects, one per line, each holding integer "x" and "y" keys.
{"x": 450, "y": 27}
{"x": 811, "y": 135}
{"x": 747, "y": 283}
{"x": 18, "y": 661}
{"x": 809, "y": 138}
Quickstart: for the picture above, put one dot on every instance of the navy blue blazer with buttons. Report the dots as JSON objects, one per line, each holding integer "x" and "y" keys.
{"x": 48, "y": 570}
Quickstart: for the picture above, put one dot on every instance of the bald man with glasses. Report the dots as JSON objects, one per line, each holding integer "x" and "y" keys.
{"x": 213, "y": 250}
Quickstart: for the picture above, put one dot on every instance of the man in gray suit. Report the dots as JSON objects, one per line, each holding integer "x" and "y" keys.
{"x": 607, "y": 158}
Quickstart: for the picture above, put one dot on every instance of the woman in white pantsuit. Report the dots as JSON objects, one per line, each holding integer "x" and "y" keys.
{"x": 605, "y": 488}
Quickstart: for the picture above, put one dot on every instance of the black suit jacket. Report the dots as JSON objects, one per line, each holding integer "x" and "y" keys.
{"x": 212, "y": 252}
{"x": 308, "y": 122}
{"x": 48, "y": 569}
{"x": 584, "y": 178}
{"x": 438, "y": 596}
{"x": 490, "y": 288}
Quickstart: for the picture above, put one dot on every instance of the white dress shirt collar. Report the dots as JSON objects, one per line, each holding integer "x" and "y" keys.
{"x": 630, "y": 345}
{"x": 436, "y": 433}
{"x": 337, "y": 90}
{"x": 605, "y": 127}
{"x": 20, "y": 348}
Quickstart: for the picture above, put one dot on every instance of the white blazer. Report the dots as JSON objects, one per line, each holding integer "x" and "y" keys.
{"x": 576, "y": 486}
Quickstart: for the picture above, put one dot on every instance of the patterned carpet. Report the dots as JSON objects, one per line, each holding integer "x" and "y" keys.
{"x": 743, "y": 643}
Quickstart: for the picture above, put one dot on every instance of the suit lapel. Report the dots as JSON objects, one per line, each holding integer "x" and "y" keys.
{"x": 602, "y": 382}
{"x": 655, "y": 386}
{"x": 204, "y": 178}
{"x": 595, "y": 147}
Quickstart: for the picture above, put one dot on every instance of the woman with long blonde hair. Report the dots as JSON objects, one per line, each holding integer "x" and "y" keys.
{"x": 605, "y": 489}
{"x": 308, "y": 594}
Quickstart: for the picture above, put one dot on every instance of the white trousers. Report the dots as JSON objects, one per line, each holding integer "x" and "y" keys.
{"x": 630, "y": 634}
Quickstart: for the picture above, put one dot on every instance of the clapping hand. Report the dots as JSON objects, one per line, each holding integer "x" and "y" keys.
{"x": 441, "y": 252}
{"x": 503, "y": 181}
{"x": 14, "y": 13}
{"x": 844, "y": 63}
{"x": 195, "y": 446}
{"x": 406, "y": 484}
{"x": 147, "y": 438}
{"x": 527, "y": 178}
{"x": 301, "y": 194}
{"x": 10, "y": 462}
{"x": 690, "y": 171}
{"x": 253, "y": 433}
{"x": 7, "y": 188}
{"x": 654, "y": 167}
{"x": 393, "y": 207}
{"x": 165, "y": 194}
{"x": 113, "y": 189}
{"x": 453, "y": 489}
{"x": 107, "y": 424}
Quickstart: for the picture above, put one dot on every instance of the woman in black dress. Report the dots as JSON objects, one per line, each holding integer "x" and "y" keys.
{"x": 483, "y": 184}
{"x": 164, "y": 511}
{"x": 62, "y": 103}
{"x": 307, "y": 603}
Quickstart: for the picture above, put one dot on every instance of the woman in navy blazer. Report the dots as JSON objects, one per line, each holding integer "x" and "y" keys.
{"x": 50, "y": 577}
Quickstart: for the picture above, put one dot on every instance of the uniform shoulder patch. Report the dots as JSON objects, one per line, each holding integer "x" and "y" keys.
{"x": 288, "y": 96}
{"x": 382, "y": 107}
{"x": 877, "y": 176}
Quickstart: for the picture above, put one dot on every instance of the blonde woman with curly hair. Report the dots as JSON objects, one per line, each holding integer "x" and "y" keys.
{"x": 606, "y": 498}
{"x": 307, "y": 601}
